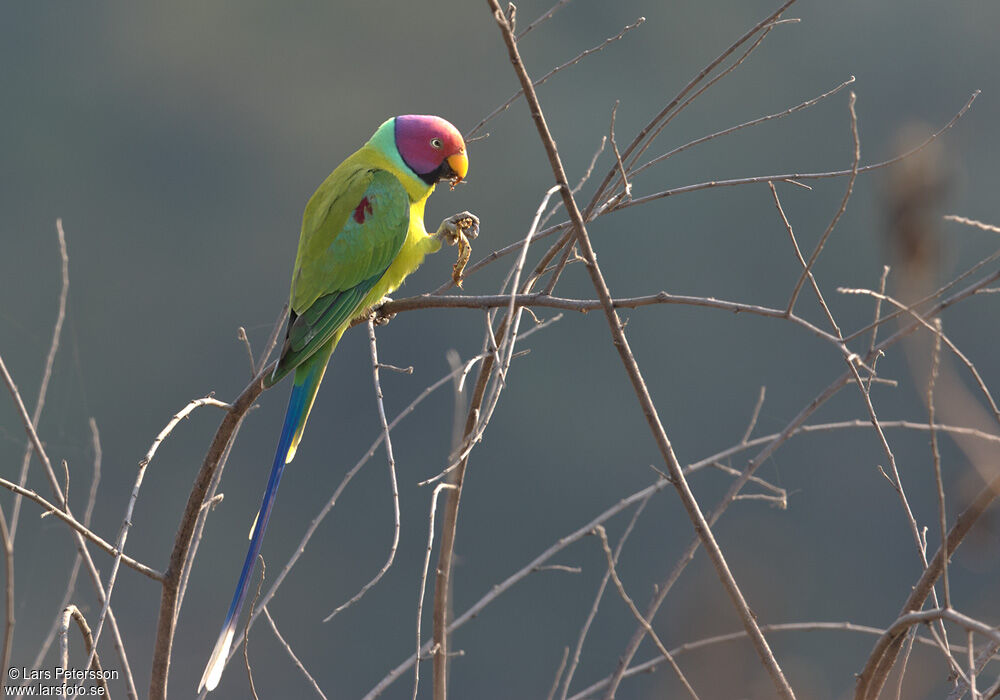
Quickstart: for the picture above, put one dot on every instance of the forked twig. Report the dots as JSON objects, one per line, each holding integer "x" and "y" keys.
{"x": 72, "y": 613}
{"x": 599, "y": 531}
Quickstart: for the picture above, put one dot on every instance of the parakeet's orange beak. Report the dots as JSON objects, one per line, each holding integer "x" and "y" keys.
{"x": 459, "y": 163}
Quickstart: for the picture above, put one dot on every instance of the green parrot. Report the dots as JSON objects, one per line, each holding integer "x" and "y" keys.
{"x": 362, "y": 234}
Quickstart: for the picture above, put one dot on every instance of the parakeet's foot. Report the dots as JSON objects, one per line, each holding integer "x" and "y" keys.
{"x": 451, "y": 229}
{"x": 378, "y": 314}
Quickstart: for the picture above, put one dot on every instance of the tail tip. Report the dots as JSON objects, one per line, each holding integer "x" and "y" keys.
{"x": 213, "y": 671}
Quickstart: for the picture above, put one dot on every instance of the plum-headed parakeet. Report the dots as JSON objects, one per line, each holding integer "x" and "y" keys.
{"x": 362, "y": 234}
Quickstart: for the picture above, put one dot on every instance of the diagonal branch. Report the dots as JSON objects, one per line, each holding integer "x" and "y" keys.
{"x": 46, "y": 375}
{"x": 81, "y": 545}
{"x": 883, "y": 656}
{"x": 840, "y": 212}
{"x": 632, "y": 368}
{"x": 71, "y": 612}
{"x": 167, "y": 620}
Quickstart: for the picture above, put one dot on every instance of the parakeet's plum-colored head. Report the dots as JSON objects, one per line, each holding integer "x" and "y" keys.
{"x": 432, "y": 148}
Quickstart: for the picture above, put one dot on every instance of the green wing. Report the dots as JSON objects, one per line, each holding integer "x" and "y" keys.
{"x": 352, "y": 230}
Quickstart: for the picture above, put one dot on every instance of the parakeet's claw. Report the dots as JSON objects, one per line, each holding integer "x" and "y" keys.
{"x": 379, "y": 316}
{"x": 452, "y": 228}
{"x": 459, "y": 230}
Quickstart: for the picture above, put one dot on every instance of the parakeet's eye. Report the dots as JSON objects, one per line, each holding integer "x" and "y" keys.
{"x": 437, "y": 143}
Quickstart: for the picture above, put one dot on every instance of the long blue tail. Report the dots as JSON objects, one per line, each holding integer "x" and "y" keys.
{"x": 303, "y": 394}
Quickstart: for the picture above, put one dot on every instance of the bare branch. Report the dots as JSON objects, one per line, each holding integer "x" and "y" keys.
{"x": 46, "y": 375}
{"x": 71, "y": 612}
{"x": 544, "y": 18}
{"x": 792, "y": 177}
{"x": 559, "y": 672}
{"x": 423, "y": 581}
{"x": 744, "y": 125}
{"x": 972, "y": 222}
{"x": 392, "y": 479}
{"x": 652, "y": 664}
{"x": 942, "y": 519}
{"x": 246, "y": 630}
{"x": 599, "y": 531}
{"x": 167, "y": 619}
{"x": 836, "y": 217}
{"x": 572, "y": 62}
{"x": 77, "y": 560}
{"x": 51, "y": 509}
{"x": 600, "y": 594}
{"x": 332, "y": 501}
{"x": 755, "y": 415}
{"x": 241, "y": 335}
{"x": 291, "y": 654}
{"x": 8, "y": 633}
{"x": 130, "y": 508}
{"x": 883, "y": 656}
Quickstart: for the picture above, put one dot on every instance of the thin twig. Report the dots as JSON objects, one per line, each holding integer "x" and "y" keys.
{"x": 71, "y": 612}
{"x": 643, "y": 133}
{"x": 499, "y": 589}
{"x": 572, "y": 62}
{"x": 772, "y": 441}
{"x": 167, "y": 618}
{"x": 544, "y": 18}
{"x": 60, "y": 512}
{"x": 910, "y": 641}
{"x": 895, "y": 480}
{"x": 246, "y": 630}
{"x": 241, "y": 335}
{"x": 755, "y": 415}
{"x": 210, "y": 497}
{"x": 972, "y": 663}
{"x": 599, "y": 531}
{"x": 936, "y": 453}
{"x": 907, "y": 620}
{"x": 792, "y": 177}
{"x": 130, "y": 508}
{"x": 351, "y": 473}
{"x": 95, "y": 481}
{"x": 46, "y": 374}
{"x": 984, "y": 657}
{"x": 840, "y": 211}
{"x": 594, "y": 210}
{"x": 559, "y": 672}
{"x": 651, "y": 665}
{"x": 972, "y": 222}
{"x": 877, "y": 314}
{"x": 632, "y": 369}
{"x": 764, "y": 31}
{"x": 744, "y": 125}
{"x": 600, "y": 594}
{"x": 883, "y": 656}
{"x": 291, "y": 654}
{"x": 627, "y": 190}
{"x": 475, "y": 425}
{"x": 272, "y": 338}
{"x": 8, "y": 633}
{"x": 423, "y": 579}
{"x": 392, "y": 479}
{"x": 922, "y": 321}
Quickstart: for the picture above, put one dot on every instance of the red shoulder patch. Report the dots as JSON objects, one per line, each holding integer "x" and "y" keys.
{"x": 363, "y": 209}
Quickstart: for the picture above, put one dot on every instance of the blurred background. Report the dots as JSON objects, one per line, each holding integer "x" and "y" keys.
{"x": 179, "y": 145}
